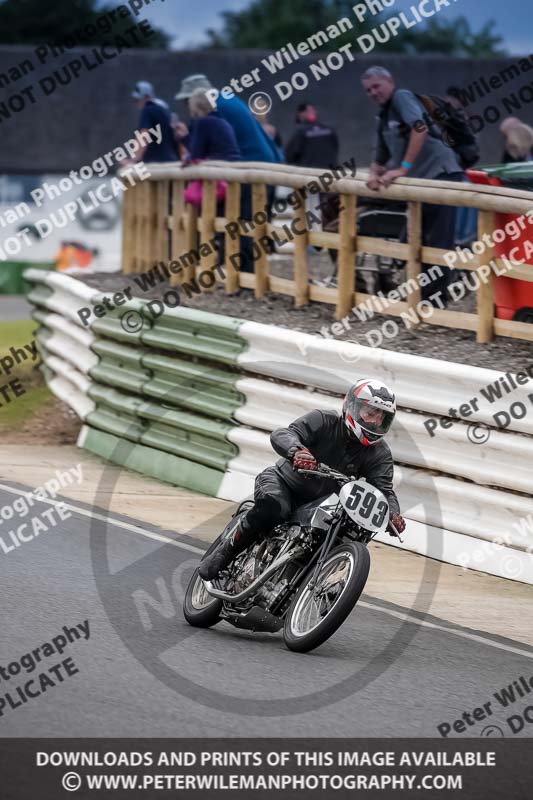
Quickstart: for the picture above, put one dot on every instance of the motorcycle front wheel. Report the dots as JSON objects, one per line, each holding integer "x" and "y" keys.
{"x": 200, "y": 609}
{"x": 317, "y": 611}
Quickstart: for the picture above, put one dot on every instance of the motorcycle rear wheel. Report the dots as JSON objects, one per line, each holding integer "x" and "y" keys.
{"x": 315, "y": 614}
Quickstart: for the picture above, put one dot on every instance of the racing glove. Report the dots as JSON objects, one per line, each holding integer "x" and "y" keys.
{"x": 398, "y": 522}
{"x": 303, "y": 459}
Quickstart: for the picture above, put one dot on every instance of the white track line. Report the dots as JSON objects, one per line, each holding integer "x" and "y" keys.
{"x": 103, "y": 518}
{"x": 184, "y": 546}
{"x": 462, "y": 634}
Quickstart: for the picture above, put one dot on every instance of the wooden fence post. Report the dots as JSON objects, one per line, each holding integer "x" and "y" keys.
{"x": 301, "y": 240}
{"x": 162, "y": 213}
{"x": 485, "y": 292}
{"x": 259, "y": 203}
{"x": 150, "y": 226}
{"x": 144, "y": 225}
{"x": 232, "y": 244}
{"x": 177, "y": 241}
{"x": 138, "y": 200}
{"x": 208, "y": 253}
{"x": 128, "y": 232}
{"x": 347, "y": 254}
{"x": 191, "y": 240}
{"x": 414, "y": 266}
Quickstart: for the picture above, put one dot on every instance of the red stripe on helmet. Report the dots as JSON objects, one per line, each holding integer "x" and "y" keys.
{"x": 356, "y": 393}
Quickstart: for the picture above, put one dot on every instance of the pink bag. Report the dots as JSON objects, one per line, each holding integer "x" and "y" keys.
{"x": 193, "y": 192}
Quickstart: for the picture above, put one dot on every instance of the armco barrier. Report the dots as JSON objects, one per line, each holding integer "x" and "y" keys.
{"x": 191, "y": 398}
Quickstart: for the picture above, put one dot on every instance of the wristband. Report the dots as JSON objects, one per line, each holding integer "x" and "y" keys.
{"x": 407, "y": 165}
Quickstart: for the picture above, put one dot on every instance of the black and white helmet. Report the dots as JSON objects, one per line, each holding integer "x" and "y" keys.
{"x": 368, "y": 410}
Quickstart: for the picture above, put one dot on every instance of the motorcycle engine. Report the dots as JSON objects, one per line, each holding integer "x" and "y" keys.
{"x": 270, "y": 591}
{"x": 253, "y": 564}
{"x": 245, "y": 573}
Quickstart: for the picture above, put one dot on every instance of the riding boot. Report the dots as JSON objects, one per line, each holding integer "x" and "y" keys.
{"x": 237, "y": 538}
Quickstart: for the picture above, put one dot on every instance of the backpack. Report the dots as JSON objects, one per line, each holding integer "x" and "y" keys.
{"x": 454, "y": 127}
{"x": 448, "y": 123}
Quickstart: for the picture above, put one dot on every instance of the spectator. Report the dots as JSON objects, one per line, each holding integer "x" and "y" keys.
{"x": 402, "y": 149}
{"x": 211, "y": 137}
{"x": 312, "y": 144}
{"x": 466, "y": 219}
{"x": 154, "y": 113}
{"x": 270, "y": 130}
{"x": 254, "y": 145}
{"x": 467, "y": 153}
{"x": 315, "y": 145}
{"x": 518, "y": 141}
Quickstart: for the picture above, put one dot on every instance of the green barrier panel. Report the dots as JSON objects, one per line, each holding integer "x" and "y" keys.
{"x": 197, "y": 333}
{"x": 198, "y": 373}
{"x": 191, "y": 423}
{"x": 118, "y": 352}
{"x": 112, "y": 328}
{"x": 210, "y": 403}
{"x": 193, "y": 344}
{"x": 119, "y": 365}
{"x": 117, "y": 400}
{"x": 201, "y": 388}
{"x": 213, "y": 454}
{"x": 114, "y": 374}
{"x": 201, "y": 440}
{"x": 176, "y": 418}
{"x": 119, "y": 424}
{"x": 192, "y": 319}
{"x": 154, "y": 463}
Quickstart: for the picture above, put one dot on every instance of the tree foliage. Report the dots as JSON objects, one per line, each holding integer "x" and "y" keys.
{"x": 270, "y": 24}
{"x": 51, "y": 21}
{"x": 452, "y": 38}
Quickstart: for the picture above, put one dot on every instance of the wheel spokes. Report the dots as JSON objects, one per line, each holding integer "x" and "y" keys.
{"x": 315, "y": 603}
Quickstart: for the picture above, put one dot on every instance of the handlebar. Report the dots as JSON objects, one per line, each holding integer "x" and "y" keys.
{"x": 324, "y": 471}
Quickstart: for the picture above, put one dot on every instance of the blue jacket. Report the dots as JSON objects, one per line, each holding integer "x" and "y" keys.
{"x": 254, "y": 143}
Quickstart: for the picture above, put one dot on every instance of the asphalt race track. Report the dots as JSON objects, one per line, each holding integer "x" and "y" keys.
{"x": 144, "y": 672}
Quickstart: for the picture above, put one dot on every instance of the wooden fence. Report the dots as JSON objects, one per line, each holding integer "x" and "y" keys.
{"x": 159, "y": 226}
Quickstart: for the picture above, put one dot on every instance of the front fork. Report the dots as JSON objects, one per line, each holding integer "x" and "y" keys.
{"x": 327, "y": 545}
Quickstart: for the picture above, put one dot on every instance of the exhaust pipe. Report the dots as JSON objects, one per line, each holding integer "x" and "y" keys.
{"x": 237, "y": 598}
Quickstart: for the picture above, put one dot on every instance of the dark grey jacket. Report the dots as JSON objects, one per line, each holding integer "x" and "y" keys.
{"x": 325, "y": 435}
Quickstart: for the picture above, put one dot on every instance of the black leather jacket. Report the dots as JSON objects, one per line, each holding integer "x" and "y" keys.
{"x": 325, "y": 435}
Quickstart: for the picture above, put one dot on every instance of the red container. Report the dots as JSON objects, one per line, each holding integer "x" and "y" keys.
{"x": 510, "y": 295}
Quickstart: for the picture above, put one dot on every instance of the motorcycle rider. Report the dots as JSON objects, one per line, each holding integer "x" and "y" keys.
{"x": 351, "y": 442}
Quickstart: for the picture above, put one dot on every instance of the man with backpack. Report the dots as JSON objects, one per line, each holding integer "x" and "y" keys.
{"x": 411, "y": 142}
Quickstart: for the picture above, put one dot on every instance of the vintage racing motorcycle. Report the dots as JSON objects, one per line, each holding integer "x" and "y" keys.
{"x": 305, "y": 576}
